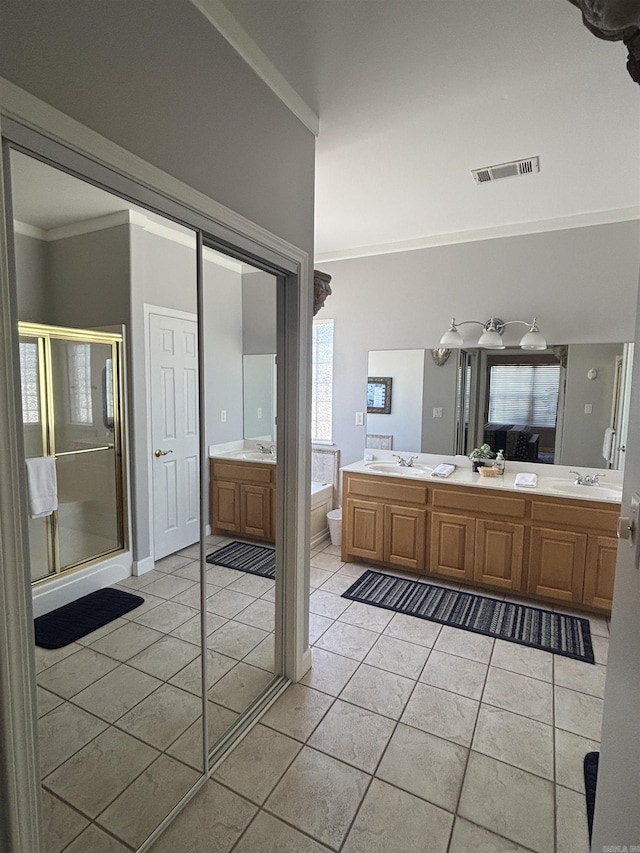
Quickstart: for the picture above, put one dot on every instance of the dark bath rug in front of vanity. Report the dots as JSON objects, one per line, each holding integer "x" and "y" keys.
{"x": 246, "y": 557}
{"x": 559, "y": 633}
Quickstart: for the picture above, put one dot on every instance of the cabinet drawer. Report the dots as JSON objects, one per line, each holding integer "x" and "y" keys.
{"x": 479, "y": 502}
{"x": 238, "y": 472}
{"x": 386, "y": 488}
{"x": 581, "y": 515}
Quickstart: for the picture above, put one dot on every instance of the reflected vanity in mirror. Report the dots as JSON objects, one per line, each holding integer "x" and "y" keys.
{"x": 567, "y": 405}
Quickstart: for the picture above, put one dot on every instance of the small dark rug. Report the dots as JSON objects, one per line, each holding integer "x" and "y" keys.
{"x": 529, "y": 626}
{"x": 245, "y": 557}
{"x": 79, "y": 618}
{"x": 590, "y": 778}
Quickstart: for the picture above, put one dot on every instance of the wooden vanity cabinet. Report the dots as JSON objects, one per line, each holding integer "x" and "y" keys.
{"x": 242, "y": 498}
{"x": 384, "y": 521}
{"x": 554, "y": 549}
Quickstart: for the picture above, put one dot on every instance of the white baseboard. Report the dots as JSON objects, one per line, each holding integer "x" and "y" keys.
{"x": 319, "y": 537}
{"x": 141, "y": 567}
{"x": 62, "y": 590}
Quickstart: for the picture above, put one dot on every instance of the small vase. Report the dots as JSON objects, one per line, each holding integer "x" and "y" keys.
{"x": 475, "y": 464}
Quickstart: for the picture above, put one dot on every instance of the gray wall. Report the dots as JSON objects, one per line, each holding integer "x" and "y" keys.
{"x": 440, "y": 387}
{"x": 89, "y": 279}
{"x": 31, "y": 270}
{"x": 223, "y": 336}
{"x": 580, "y": 283}
{"x": 155, "y": 77}
{"x": 258, "y": 313}
{"x": 582, "y": 434}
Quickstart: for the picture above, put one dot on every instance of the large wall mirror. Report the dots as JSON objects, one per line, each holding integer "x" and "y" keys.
{"x": 130, "y": 714}
{"x": 568, "y": 405}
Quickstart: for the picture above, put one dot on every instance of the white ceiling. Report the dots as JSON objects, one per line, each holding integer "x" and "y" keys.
{"x": 413, "y": 94}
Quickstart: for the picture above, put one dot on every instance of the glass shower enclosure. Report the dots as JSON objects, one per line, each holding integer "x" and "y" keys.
{"x": 71, "y": 384}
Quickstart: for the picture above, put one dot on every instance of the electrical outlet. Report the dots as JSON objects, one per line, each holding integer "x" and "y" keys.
{"x": 259, "y": 413}
{"x": 437, "y": 413}
{"x": 588, "y": 408}
{"x": 359, "y": 418}
{"x": 223, "y": 416}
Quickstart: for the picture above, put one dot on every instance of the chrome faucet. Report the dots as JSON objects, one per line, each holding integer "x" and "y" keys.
{"x": 267, "y": 450}
{"x": 405, "y": 462}
{"x": 586, "y": 479}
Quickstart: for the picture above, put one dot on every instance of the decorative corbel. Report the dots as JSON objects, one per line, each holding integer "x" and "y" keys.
{"x": 321, "y": 289}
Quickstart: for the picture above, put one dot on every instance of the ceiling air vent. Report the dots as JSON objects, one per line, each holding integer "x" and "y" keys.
{"x": 506, "y": 170}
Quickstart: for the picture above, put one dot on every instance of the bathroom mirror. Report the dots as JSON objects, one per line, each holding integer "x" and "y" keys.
{"x": 259, "y": 397}
{"x": 443, "y": 409}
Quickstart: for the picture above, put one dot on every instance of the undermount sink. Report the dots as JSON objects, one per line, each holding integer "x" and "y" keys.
{"x": 594, "y": 493}
{"x": 399, "y": 470}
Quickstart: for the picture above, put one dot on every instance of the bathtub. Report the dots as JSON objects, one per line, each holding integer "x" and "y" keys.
{"x": 321, "y": 504}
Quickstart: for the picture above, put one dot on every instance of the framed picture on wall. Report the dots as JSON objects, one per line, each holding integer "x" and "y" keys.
{"x": 379, "y": 395}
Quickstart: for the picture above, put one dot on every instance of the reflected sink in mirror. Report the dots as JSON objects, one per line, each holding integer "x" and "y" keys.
{"x": 592, "y": 493}
{"x": 252, "y": 455}
{"x": 399, "y": 470}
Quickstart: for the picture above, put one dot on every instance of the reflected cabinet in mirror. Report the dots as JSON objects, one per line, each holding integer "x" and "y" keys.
{"x": 567, "y": 405}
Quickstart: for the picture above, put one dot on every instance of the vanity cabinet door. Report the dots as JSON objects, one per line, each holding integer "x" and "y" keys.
{"x": 363, "y": 529}
{"x": 556, "y": 563}
{"x": 600, "y": 572}
{"x": 404, "y": 536}
{"x": 452, "y": 545}
{"x": 499, "y": 554}
{"x": 255, "y": 511}
{"x": 225, "y": 507}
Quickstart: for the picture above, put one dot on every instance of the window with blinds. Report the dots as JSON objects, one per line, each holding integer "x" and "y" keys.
{"x": 322, "y": 381}
{"x": 524, "y": 394}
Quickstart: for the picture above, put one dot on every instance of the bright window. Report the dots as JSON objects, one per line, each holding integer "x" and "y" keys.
{"x": 80, "y": 399}
{"x": 322, "y": 381}
{"x": 29, "y": 383}
{"x": 524, "y": 394}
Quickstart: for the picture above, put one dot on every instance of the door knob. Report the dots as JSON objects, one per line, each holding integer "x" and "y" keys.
{"x": 626, "y": 528}
{"x": 159, "y": 453}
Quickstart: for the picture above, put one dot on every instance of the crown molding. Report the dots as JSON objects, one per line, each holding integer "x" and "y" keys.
{"x": 128, "y": 217}
{"x": 221, "y": 18}
{"x": 517, "y": 229}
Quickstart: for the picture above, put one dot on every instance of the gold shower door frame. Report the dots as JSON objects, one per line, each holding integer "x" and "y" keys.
{"x": 44, "y": 335}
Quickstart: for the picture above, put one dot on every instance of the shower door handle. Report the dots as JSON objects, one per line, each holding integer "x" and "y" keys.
{"x": 159, "y": 453}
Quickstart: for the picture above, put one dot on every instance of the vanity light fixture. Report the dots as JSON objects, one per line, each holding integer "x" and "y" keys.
{"x": 491, "y": 337}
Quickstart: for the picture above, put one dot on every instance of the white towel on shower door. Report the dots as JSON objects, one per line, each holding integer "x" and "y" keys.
{"x": 42, "y": 486}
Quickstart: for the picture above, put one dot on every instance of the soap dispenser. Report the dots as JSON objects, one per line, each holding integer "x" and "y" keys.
{"x": 499, "y": 463}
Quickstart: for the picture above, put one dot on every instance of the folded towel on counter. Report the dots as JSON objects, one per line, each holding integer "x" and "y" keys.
{"x": 607, "y": 444}
{"x": 443, "y": 470}
{"x": 42, "y": 485}
{"x": 526, "y": 481}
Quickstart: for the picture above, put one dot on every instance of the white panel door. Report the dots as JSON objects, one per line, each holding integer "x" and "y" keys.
{"x": 173, "y": 360}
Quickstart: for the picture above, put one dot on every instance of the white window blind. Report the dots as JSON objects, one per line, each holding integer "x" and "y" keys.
{"x": 322, "y": 381}
{"x": 524, "y": 394}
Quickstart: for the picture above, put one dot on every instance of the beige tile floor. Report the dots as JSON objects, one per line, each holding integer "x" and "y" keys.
{"x": 405, "y": 736}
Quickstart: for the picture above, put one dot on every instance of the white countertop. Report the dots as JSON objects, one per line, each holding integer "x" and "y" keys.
{"x": 553, "y": 480}
{"x": 243, "y": 451}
